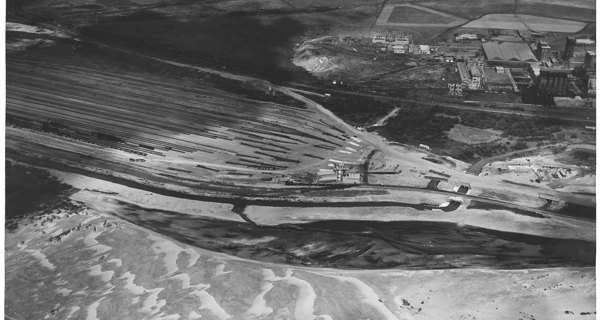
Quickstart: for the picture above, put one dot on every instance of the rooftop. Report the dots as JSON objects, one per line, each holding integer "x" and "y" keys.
{"x": 513, "y": 51}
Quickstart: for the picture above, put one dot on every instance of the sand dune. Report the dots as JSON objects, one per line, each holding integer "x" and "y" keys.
{"x": 42, "y": 258}
{"x": 157, "y": 277}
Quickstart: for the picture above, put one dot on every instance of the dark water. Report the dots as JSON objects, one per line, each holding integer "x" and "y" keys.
{"x": 238, "y": 43}
{"x": 576, "y": 210}
{"x": 28, "y": 190}
{"x": 490, "y": 206}
{"x": 367, "y": 244}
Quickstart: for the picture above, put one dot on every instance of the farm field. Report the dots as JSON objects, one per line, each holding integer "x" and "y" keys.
{"x": 586, "y": 4}
{"x": 409, "y": 15}
{"x": 525, "y": 22}
{"x": 474, "y": 9}
{"x": 558, "y": 11}
{"x": 406, "y": 14}
{"x": 470, "y": 9}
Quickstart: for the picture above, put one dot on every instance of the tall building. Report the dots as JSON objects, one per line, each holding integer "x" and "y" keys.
{"x": 590, "y": 69}
{"x": 576, "y": 48}
{"x": 591, "y": 84}
{"x": 570, "y": 47}
{"x": 542, "y": 51}
{"x": 590, "y": 61}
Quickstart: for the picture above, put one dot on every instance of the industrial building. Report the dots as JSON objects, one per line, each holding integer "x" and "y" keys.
{"x": 577, "y": 44}
{"x": 466, "y": 36}
{"x": 455, "y": 89}
{"x": 399, "y": 48}
{"x": 499, "y": 80}
{"x": 471, "y": 75}
{"x": 443, "y": 55}
{"x": 591, "y": 85}
{"x": 401, "y": 40}
{"x": 542, "y": 51}
{"x": 521, "y": 77}
{"x": 576, "y": 50}
{"x": 508, "y": 51}
{"x": 553, "y": 82}
{"x": 399, "y": 43}
{"x": 379, "y": 39}
{"x": 422, "y": 49}
{"x": 590, "y": 61}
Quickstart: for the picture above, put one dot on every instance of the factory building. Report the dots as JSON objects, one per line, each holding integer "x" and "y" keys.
{"x": 573, "y": 44}
{"x": 508, "y": 51}
{"x": 424, "y": 49}
{"x": 576, "y": 50}
{"x": 471, "y": 75}
{"x": 465, "y": 36}
{"x": 521, "y": 77}
{"x": 455, "y": 89}
{"x": 499, "y": 80}
{"x": 401, "y": 40}
{"x": 553, "y": 82}
{"x": 399, "y": 48}
{"x": 379, "y": 39}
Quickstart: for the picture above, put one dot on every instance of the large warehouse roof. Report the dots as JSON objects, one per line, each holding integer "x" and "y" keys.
{"x": 508, "y": 51}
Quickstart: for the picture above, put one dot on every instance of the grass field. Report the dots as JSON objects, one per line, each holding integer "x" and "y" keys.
{"x": 525, "y": 22}
{"x": 474, "y": 9}
{"x": 470, "y": 136}
{"x": 410, "y": 15}
{"x": 566, "y": 12}
{"x": 405, "y": 14}
{"x": 470, "y": 9}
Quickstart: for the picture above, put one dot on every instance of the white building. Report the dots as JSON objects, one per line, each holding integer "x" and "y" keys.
{"x": 424, "y": 49}
{"x": 466, "y": 36}
{"x": 379, "y": 39}
{"x": 397, "y": 48}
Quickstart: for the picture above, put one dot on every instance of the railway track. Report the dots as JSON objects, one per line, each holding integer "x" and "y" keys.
{"x": 146, "y": 111}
